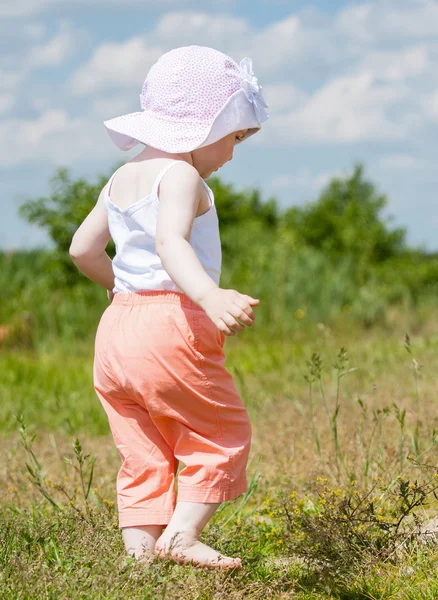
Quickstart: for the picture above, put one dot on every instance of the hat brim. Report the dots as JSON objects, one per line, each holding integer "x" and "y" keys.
{"x": 147, "y": 128}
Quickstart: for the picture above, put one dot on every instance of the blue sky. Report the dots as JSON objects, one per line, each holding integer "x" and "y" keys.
{"x": 345, "y": 81}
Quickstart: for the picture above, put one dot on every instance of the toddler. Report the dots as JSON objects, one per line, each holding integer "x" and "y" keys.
{"x": 159, "y": 364}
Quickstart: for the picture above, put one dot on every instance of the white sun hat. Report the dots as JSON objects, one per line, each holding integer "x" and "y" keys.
{"x": 192, "y": 97}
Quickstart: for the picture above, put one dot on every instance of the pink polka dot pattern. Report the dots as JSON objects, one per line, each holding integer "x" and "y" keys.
{"x": 183, "y": 94}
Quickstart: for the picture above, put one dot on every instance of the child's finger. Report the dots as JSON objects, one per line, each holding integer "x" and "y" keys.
{"x": 232, "y": 322}
{"x": 251, "y": 300}
{"x": 226, "y": 329}
{"x": 244, "y": 314}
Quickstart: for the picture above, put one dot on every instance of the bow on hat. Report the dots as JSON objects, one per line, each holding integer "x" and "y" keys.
{"x": 253, "y": 90}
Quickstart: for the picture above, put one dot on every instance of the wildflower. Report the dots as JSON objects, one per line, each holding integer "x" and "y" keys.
{"x": 279, "y": 541}
{"x": 299, "y": 314}
{"x": 297, "y": 511}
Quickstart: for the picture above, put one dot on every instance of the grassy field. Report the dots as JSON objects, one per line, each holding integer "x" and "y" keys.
{"x": 343, "y": 471}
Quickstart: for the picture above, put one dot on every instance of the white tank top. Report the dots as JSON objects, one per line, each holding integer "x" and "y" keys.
{"x": 136, "y": 265}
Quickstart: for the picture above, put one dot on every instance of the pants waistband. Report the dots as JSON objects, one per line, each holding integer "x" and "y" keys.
{"x": 155, "y": 297}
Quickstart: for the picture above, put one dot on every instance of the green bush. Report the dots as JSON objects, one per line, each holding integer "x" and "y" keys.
{"x": 307, "y": 264}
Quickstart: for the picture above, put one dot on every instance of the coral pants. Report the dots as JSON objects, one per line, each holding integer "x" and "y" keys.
{"x": 159, "y": 373}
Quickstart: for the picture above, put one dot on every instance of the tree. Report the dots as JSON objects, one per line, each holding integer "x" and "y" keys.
{"x": 60, "y": 214}
{"x": 69, "y": 202}
{"x": 346, "y": 220}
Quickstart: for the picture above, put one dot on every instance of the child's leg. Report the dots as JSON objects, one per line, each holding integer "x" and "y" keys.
{"x": 208, "y": 428}
{"x": 145, "y": 481}
{"x": 141, "y": 540}
{"x": 180, "y": 540}
{"x": 163, "y": 382}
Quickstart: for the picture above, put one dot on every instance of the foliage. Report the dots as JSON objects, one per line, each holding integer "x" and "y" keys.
{"x": 60, "y": 214}
{"x": 311, "y": 263}
{"x": 346, "y": 219}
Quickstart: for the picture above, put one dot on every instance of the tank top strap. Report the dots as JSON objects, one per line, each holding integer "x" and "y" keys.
{"x": 157, "y": 181}
{"x": 161, "y": 175}
{"x": 110, "y": 180}
{"x": 164, "y": 171}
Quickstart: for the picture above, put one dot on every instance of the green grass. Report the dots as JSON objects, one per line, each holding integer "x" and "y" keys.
{"x": 57, "y": 544}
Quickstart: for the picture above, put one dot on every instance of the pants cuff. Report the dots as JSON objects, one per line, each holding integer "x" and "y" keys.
{"x": 188, "y": 493}
{"x": 138, "y": 518}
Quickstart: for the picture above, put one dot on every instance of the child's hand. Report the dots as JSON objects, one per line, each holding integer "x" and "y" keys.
{"x": 224, "y": 307}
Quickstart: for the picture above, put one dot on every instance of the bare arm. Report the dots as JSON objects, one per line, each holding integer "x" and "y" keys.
{"x": 179, "y": 200}
{"x": 87, "y": 248}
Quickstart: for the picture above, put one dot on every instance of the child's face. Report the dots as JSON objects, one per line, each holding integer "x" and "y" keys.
{"x": 213, "y": 157}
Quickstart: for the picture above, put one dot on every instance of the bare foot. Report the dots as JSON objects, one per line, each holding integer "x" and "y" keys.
{"x": 183, "y": 548}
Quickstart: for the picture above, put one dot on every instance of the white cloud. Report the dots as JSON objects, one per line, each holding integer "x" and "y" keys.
{"x": 35, "y": 31}
{"x": 41, "y": 103}
{"x": 430, "y": 105}
{"x": 11, "y": 79}
{"x": 398, "y": 161}
{"x": 23, "y": 8}
{"x": 6, "y": 101}
{"x": 324, "y": 178}
{"x": 114, "y": 65}
{"x": 293, "y": 45}
{"x": 346, "y": 109}
{"x": 56, "y": 50}
{"x": 397, "y": 65}
{"x": 54, "y": 136}
{"x": 26, "y": 8}
{"x": 110, "y": 106}
{"x": 389, "y": 19}
{"x": 205, "y": 28}
{"x": 282, "y": 97}
{"x": 282, "y": 181}
{"x": 307, "y": 179}
{"x": 328, "y": 79}
{"x": 29, "y": 54}
{"x": 406, "y": 161}
{"x": 353, "y": 22}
